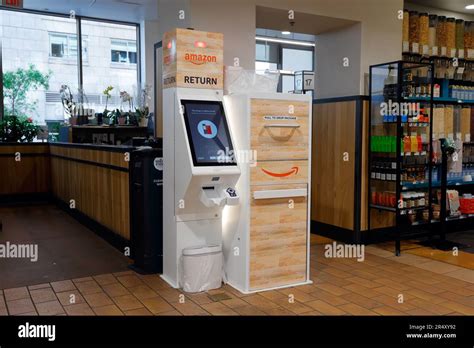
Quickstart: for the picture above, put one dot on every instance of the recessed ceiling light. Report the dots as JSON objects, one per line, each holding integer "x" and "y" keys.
{"x": 470, "y": 7}
{"x": 286, "y": 32}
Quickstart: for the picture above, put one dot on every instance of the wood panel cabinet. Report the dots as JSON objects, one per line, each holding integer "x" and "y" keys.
{"x": 278, "y": 237}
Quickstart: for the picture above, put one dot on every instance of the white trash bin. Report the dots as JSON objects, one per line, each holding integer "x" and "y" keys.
{"x": 202, "y": 268}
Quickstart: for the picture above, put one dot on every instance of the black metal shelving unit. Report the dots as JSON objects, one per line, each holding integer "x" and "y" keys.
{"x": 400, "y": 148}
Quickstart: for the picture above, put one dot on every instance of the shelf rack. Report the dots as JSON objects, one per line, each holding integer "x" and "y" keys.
{"x": 396, "y": 84}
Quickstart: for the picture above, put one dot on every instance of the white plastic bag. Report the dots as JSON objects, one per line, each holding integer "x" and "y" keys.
{"x": 202, "y": 268}
{"x": 239, "y": 80}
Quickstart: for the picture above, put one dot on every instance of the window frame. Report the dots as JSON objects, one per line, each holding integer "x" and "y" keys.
{"x": 127, "y": 42}
{"x": 79, "y": 35}
{"x": 69, "y": 37}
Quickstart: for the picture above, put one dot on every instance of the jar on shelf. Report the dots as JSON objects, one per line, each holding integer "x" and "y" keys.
{"x": 414, "y": 35}
{"x": 441, "y": 37}
{"x": 406, "y": 31}
{"x": 460, "y": 38}
{"x": 469, "y": 39}
{"x": 424, "y": 28}
{"x": 451, "y": 37}
{"x": 432, "y": 35}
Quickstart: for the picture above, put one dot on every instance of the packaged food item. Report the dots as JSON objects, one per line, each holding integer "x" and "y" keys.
{"x": 414, "y": 143}
{"x": 406, "y": 144}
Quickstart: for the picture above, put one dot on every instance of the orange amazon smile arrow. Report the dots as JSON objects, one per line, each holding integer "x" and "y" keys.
{"x": 294, "y": 170}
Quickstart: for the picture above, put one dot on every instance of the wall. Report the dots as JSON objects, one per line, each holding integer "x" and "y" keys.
{"x": 334, "y": 78}
{"x": 381, "y": 30}
{"x": 236, "y": 20}
{"x": 168, "y": 19}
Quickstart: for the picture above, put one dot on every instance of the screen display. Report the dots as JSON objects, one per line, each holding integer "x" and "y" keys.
{"x": 208, "y": 133}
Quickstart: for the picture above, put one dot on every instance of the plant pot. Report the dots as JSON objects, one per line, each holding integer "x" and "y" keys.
{"x": 143, "y": 122}
{"x": 122, "y": 120}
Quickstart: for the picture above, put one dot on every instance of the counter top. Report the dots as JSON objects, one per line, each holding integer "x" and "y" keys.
{"x": 110, "y": 148}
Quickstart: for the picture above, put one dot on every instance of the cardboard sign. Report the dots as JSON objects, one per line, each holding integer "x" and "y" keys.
{"x": 193, "y": 59}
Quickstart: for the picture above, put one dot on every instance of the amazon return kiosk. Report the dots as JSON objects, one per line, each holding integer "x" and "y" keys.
{"x": 255, "y": 211}
{"x": 267, "y": 239}
{"x": 200, "y": 172}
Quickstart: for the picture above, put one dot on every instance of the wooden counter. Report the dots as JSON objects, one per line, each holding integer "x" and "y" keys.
{"x": 94, "y": 180}
{"x": 25, "y": 169}
{"x": 89, "y": 181}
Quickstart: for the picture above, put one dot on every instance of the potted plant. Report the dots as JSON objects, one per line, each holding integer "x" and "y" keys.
{"x": 14, "y": 129}
{"x": 143, "y": 109}
{"x": 125, "y": 98}
{"x": 114, "y": 116}
{"x": 106, "y": 115}
{"x": 68, "y": 104}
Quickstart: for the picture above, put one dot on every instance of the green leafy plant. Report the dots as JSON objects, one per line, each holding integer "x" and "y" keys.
{"x": 16, "y": 86}
{"x": 14, "y": 129}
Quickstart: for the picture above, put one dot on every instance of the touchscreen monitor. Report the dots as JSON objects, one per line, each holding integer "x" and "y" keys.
{"x": 208, "y": 133}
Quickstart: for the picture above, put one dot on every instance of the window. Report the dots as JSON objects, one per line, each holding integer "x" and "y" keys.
{"x": 44, "y": 46}
{"x": 65, "y": 46}
{"x": 297, "y": 59}
{"x": 124, "y": 51}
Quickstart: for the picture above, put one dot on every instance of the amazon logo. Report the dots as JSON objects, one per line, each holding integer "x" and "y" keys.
{"x": 199, "y": 59}
{"x": 293, "y": 171}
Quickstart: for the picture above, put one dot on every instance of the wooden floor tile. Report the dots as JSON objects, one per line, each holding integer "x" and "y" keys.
{"x": 217, "y": 308}
{"x": 16, "y": 294}
{"x": 50, "y": 308}
{"x": 110, "y": 310}
{"x": 325, "y": 308}
{"x": 157, "y": 305}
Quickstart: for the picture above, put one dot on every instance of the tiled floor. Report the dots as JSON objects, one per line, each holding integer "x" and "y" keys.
{"x": 460, "y": 258}
{"x": 380, "y": 285}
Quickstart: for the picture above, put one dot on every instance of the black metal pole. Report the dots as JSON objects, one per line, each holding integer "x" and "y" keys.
{"x": 444, "y": 187}
{"x": 80, "y": 79}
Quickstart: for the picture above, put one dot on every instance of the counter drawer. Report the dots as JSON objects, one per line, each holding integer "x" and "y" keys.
{"x": 279, "y": 172}
{"x": 278, "y": 235}
{"x": 277, "y": 134}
